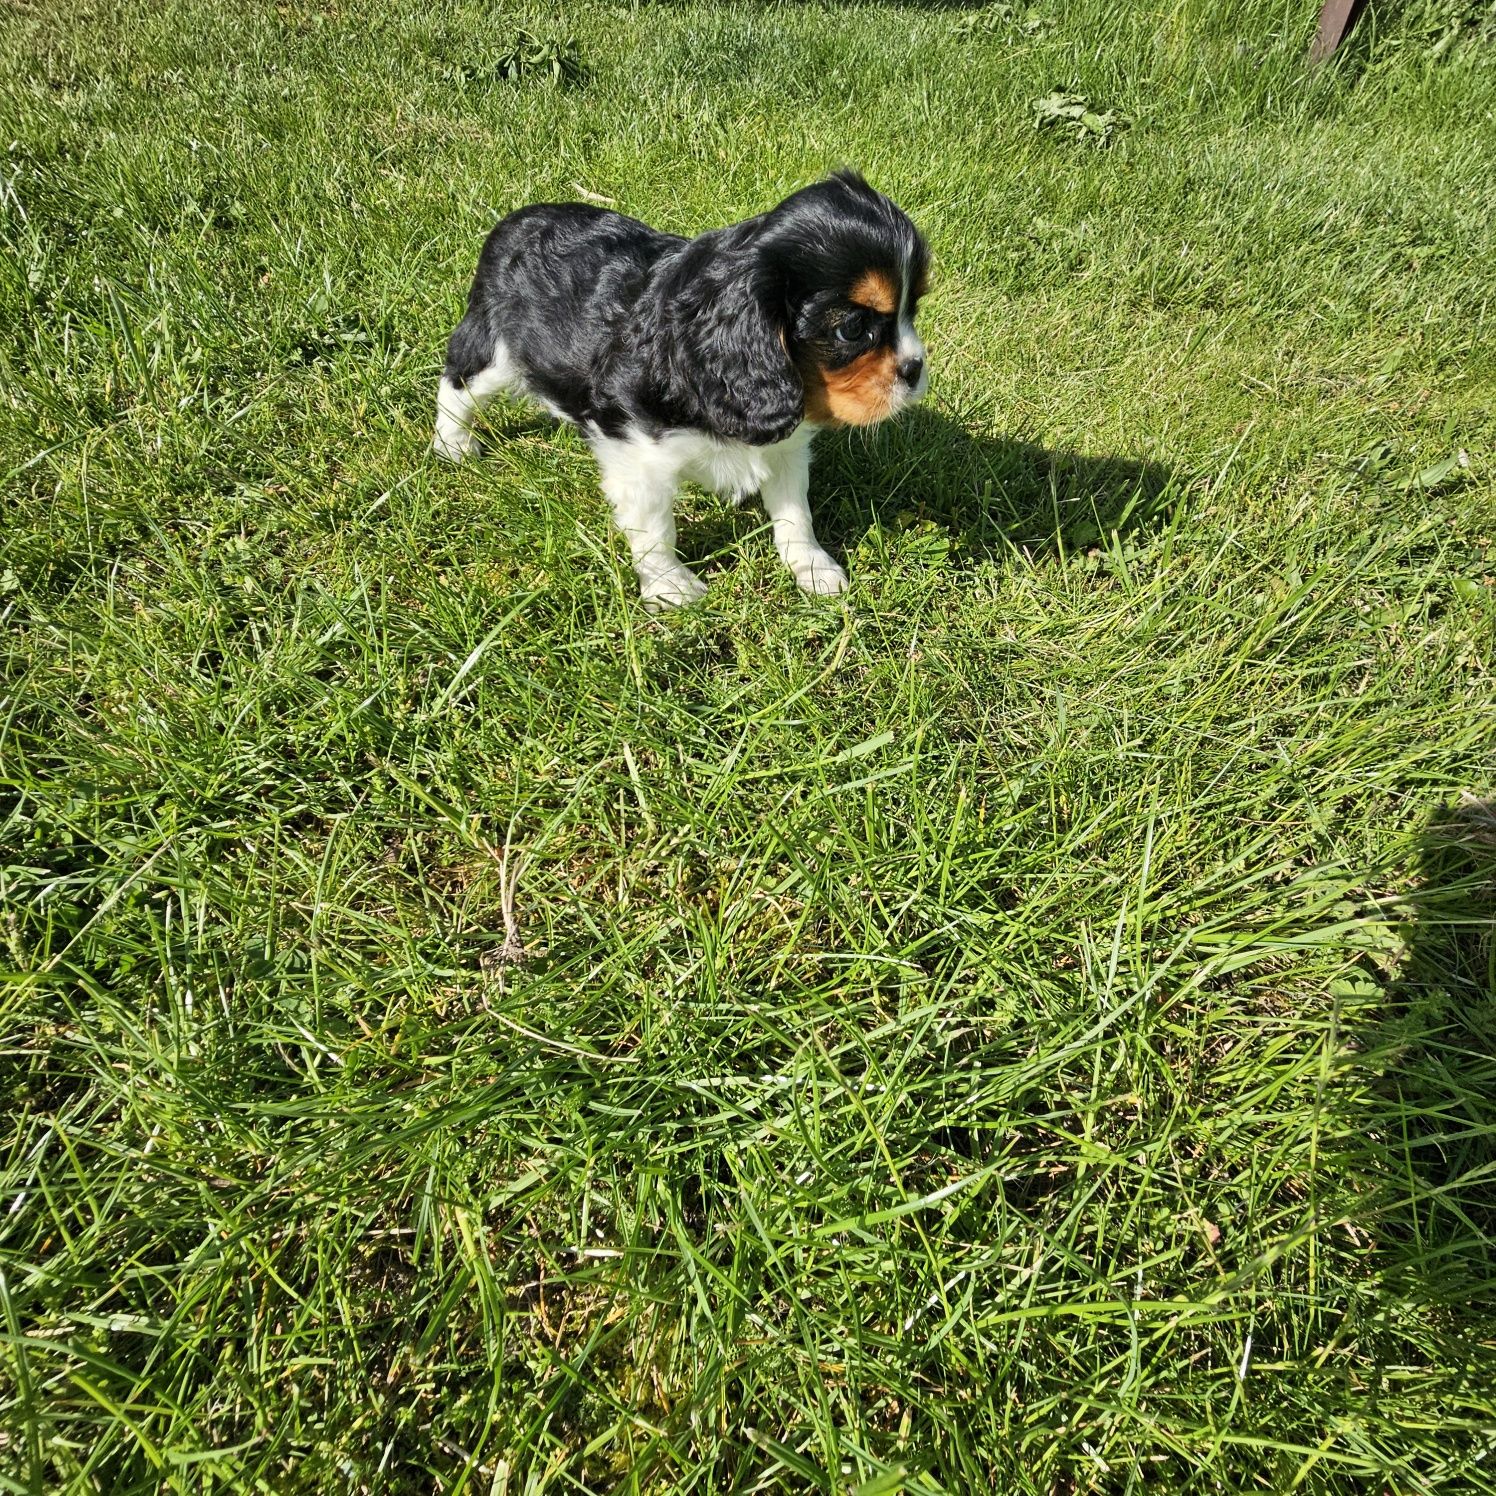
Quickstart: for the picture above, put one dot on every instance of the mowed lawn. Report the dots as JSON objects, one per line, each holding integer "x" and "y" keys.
{"x": 1026, "y": 1027}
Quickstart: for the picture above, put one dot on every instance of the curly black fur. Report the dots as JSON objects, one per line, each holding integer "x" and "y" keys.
{"x": 620, "y": 328}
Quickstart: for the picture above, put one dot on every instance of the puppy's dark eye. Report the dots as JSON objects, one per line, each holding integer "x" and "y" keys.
{"x": 851, "y": 329}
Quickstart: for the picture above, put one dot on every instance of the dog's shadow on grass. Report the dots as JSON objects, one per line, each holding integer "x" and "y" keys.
{"x": 978, "y": 495}
{"x": 1432, "y": 1055}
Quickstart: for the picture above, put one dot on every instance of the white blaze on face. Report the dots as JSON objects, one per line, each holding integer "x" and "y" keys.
{"x": 910, "y": 344}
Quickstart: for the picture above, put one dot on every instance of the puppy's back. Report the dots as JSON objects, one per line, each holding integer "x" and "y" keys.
{"x": 554, "y": 278}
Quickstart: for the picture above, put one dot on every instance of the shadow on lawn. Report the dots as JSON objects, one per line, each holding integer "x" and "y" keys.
{"x": 1436, "y": 1093}
{"x": 987, "y": 494}
{"x": 1420, "y": 1137}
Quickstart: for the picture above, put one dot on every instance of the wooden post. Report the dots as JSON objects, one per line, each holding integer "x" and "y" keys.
{"x": 1335, "y": 20}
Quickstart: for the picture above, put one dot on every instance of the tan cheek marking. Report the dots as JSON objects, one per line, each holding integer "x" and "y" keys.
{"x": 857, "y": 395}
{"x": 874, "y": 289}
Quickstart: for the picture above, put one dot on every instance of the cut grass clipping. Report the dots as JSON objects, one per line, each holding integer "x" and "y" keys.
{"x": 1029, "y": 1029}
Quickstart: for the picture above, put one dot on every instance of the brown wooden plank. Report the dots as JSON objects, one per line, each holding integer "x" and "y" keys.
{"x": 1335, "y": 19}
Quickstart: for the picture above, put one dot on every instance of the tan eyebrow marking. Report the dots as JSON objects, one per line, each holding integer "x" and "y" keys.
{"x": 874, "y": 290}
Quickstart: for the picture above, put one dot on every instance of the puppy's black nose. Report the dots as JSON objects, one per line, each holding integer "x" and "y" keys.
{"x": 911, "y": 369}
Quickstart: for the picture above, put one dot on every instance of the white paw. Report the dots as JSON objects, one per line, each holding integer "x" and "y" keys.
{"x": 454, "y": 442}
{"x": 671, "y": 589}
{"x": 819, "y": 575}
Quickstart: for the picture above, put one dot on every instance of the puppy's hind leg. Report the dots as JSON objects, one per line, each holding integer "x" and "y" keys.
{"x": 639, "y": 483}
{"x": 478, "y": 367}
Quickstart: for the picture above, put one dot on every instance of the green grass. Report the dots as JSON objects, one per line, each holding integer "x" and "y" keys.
{"x": 1027, "y": 1029}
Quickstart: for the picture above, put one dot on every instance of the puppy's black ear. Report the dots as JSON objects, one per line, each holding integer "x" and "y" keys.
{"x": 728, "y": 359}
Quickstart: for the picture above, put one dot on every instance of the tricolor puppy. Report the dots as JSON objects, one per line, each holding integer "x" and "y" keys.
{"x": 715, "y": 359}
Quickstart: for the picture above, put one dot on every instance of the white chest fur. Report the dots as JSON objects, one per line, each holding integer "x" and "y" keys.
{"x": 732, "y": 469}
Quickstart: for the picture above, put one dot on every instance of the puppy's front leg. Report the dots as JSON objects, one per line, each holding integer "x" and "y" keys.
{"x": 786, "y": 500}
{"x": 639, "y": 484}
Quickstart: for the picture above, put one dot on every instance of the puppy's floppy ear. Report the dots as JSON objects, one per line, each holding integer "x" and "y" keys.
{"x": 730, "y": 365}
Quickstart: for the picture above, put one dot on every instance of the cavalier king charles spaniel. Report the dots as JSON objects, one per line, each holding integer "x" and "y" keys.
{"x": 716, "y": 358}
